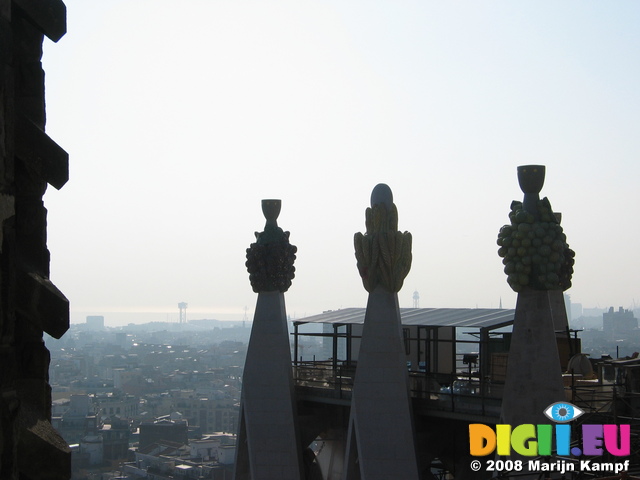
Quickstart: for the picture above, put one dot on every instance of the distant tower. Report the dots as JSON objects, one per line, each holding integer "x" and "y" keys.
{"x": 567, "y": 306}
{"x": 416, "y": 299}
{"x": 183, "y": 312}
{"x": 244, "y": 319}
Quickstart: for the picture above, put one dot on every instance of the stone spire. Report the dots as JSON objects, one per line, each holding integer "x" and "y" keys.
{"x": 268, "y": 438}
{"x": 534, "y": 376}
{"x": 380, "y": 403}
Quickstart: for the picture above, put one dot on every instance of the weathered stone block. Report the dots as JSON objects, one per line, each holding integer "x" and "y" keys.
{"x": 5, "y": 41}
{"x": 42, "y": 452}
{"x": 8, "y": 433}
{"x": 34, "y": 361}
{"x": 49, "y": 16}
{"x": 40, "y": 153}
{"x": 44, "y": 305}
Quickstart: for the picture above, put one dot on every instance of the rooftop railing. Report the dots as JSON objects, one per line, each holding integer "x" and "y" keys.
{"x": 437, "y": 392}
{"x": 464, "y": 392}
{"x": 324, "y": 379}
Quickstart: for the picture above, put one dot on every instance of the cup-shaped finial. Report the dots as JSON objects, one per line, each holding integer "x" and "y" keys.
{"x": 271, "y": 210}
{"x": 531, "y": 178}
{"x": 270, "y": 259}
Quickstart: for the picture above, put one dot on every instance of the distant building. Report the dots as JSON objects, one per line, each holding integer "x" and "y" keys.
{"x": 130, "y": 382}
{"x": 209, "y": 414}
{"x": 92, "y": 447}
{"x": 115, "y": 439}
{"x": 95, "y": 322}
{"x": 621, "y": 322}
{"x": 121, "y": 339}
{"x": 120, "y": 404}
{"x": 164, "y": 429}
{"x": 211, "y": 457}
{"x": 568, "y": 308}
{"x": 218, "y": 447}
{"x": 78, "y": 421}
{"x": 576, "y": 310}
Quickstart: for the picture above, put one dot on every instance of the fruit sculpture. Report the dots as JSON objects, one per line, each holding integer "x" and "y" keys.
{"x": 534, "y": 250}
{"x": 270, "y": 259}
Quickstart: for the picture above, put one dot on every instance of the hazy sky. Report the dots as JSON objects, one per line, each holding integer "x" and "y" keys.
{"x": 180, "y": 117}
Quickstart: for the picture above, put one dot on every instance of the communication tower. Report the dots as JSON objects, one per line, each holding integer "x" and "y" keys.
{"x": 416, "y": 299}
{"x": 183, "y": 312}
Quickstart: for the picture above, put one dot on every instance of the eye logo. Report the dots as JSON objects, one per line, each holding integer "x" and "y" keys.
{"x": 562, "y": 412}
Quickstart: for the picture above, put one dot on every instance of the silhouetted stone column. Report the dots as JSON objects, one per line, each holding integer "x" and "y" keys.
{"x": 539, "y": 265}
{"x": 268, "y": 439}
{"x": 29, "y": 303}
{"x": 380, "y": 443}
{"x": 534, "y": 377}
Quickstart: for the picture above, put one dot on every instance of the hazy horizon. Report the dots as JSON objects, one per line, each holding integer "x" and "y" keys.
{"x": 178, "y": 121}
{"x": 119, "y": 319}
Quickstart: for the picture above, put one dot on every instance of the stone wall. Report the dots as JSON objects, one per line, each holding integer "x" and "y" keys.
{"x": 29, "y": 303}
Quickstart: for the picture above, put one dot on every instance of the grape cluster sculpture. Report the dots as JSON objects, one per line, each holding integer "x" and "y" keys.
{"x": 534, "y": 250}
{"x": 270, "y": 259}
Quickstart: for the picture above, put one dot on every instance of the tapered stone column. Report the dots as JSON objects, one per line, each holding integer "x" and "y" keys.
{"x": 539, "y": 264}
{"x": 268, "y": 440}
{"x": 534, "y": 376}
{"x": 380, "y": 443}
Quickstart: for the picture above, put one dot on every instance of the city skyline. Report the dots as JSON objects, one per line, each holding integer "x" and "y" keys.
{"x": 178, "y": 121}
{"x": 115, "y": 319}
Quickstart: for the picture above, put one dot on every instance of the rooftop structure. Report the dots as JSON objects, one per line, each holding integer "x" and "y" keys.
{"x": 210, "y": 457}
{"x": 164, "y": 429}
{"x": 427, "y": 317}
{"x": 461, "y": 350}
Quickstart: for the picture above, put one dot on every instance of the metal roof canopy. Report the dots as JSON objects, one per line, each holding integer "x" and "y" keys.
{"x": 491, "y": 318}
